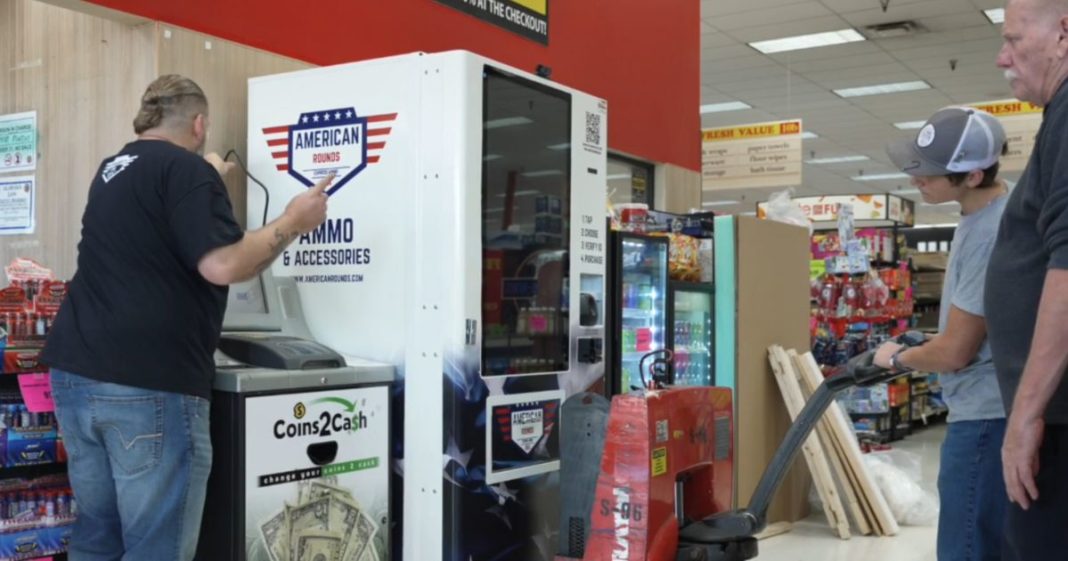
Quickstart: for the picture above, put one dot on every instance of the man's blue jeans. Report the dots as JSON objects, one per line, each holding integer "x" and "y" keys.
{"x": 972, "y": 490}
{"x": 139, "y": 462}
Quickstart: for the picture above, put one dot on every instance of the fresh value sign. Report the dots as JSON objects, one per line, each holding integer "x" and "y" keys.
{"x": 757, "y": 155}
{"x": 1021, "y": 121}
{"x": 529, "y": 18}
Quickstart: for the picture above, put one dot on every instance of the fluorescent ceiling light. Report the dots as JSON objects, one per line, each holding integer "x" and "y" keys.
{"x": 906, "y": 192}
{"x": 809, "y": 134}
{"x": 561, "y": 146}
{"x": 880, "y": 176}
{"x": 909, "y": 125}
{"x": 618, "y": 176}
{"x": 520, "y": 193}
{"x": 726, "y": 106}
{"x": 542, "y": 173}
{"x": 507, "y": 122}
{"x": 838, "y": 160}
{"x": 491, "y": 157}
{"x": 809, "y": 41}
{"x": 720, "y": 203}
{"x": 878, "y": 89}
{"x": 996, "y": 16}
{"x": 750, "y": 213}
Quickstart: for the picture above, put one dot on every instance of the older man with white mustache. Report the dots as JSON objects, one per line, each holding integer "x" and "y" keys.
{"x": 1026, "y": 297}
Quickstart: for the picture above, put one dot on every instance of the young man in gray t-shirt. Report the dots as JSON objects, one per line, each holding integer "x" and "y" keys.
{"x": 954, "y": 157}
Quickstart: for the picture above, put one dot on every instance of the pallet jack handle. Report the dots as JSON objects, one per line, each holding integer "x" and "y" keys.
{"x": 860, "y": 371}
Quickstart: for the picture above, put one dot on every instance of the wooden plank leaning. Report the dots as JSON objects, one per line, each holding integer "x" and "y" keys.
{"x": 885, "y": 524}
{"x": 849, "y": 488}
{"x": 812, "y": 450}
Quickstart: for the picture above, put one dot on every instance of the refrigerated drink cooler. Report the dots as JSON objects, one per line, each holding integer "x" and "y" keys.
{"x": 692, "y": 337}
{"x": 638, "y": 296}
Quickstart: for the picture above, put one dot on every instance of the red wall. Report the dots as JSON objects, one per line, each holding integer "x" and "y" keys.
{"x": 643, "y": 56}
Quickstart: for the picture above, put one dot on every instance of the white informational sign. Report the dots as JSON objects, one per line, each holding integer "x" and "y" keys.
{"x": 317, "y": 475}
{"x": 16, "y": 205}
{"x": 18, "y": 142}
{"x": 757, "y": 155}
{"x": 1021, "y": 121}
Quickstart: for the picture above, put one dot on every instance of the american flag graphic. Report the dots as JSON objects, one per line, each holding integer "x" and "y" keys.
{"x": 378, "y": 129}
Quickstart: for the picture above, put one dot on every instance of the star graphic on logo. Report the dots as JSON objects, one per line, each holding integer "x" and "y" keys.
{"x": 304, "y": 120}
{"x": 326, "y": 116}
{"x": 348, "y": 114}
{"x": 315, "y": 118}
{"x": 338, "y": 115}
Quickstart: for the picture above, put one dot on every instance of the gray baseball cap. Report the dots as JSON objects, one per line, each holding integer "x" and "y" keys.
{"x": 953, "y": 140}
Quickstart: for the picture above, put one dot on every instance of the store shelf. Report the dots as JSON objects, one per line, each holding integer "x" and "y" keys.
{"x": 29, "y": 472}
{"x": 637, "y": 313}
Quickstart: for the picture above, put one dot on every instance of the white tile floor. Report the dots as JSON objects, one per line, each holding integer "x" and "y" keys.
{"x": 812, "y": 539}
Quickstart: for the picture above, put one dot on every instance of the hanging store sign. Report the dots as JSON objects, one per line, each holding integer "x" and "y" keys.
{"x": 1021, "y": 121}
{"x": 529, "y": 18}
{"x": 757, "y": 155}
{"x": 866, "y": 208}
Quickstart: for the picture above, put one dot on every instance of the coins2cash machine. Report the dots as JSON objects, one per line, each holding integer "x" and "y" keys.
{"x": 464, "y": 246}
{"x": 300, "y": 439}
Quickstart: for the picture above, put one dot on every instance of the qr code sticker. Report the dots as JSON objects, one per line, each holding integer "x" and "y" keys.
{"x": 593, "y": 128}
{"x": 662, "y": 431}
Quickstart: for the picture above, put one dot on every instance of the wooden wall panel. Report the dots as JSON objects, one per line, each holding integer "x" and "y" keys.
{"x": 677, "y": 189}
{"x": 222, "y": 69}
{"x": 83, "y": 75}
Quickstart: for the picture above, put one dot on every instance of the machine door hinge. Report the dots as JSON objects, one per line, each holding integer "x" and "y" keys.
{"x": 472, "y": 332}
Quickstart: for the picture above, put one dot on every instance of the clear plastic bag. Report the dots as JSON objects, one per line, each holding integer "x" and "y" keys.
{"x": 899, "y": 474}
{"x": 781, "y": 208}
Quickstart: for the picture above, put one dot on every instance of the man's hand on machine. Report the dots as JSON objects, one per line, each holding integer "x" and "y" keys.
{"x": 308, "y": 209}
{"x": 220, "y": 165}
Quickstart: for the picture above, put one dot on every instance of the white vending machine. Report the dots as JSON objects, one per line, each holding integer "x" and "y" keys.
{"x": 465, "y": 246}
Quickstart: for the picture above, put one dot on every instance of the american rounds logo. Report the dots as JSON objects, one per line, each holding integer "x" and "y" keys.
{"x": 327, "y": 141}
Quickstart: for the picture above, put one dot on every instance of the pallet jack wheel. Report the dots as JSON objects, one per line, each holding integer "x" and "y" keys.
{"x": 740, "y": 550}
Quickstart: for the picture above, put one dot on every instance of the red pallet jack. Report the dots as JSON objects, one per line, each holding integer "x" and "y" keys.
{"x": 665, "y": 485}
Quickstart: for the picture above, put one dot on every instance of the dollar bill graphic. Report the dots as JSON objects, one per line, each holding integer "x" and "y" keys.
{"x": 316, "y": 545}
{"x": 365, "y": 531}
{"x": 276, "y": 535}
{"x": 314, "y": 515}
{"x": 319, "y": 489}
{"x": 370, "y": 554}
{"x": 344, "y": 516}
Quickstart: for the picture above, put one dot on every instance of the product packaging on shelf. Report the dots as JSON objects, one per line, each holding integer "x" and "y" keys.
{"x": 35, "y": 517}
{"x": 28, "y": 438}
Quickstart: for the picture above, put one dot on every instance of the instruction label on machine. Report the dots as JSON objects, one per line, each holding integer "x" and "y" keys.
{"x": 317, "y": 477}
{"x": 592, "y": 249}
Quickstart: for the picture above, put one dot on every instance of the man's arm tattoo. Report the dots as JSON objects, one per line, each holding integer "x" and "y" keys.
{"x": 280, "y": 242}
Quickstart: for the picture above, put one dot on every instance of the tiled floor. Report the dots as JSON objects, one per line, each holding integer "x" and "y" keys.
{"x": 812, "y": 540}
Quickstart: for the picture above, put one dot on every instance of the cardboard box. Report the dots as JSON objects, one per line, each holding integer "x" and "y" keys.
{"x": 930, "y": 261}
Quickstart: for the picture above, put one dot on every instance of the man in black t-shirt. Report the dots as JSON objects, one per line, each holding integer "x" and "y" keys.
{"x": 1027, "y": 291}
{"x": 131, "y": 349}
